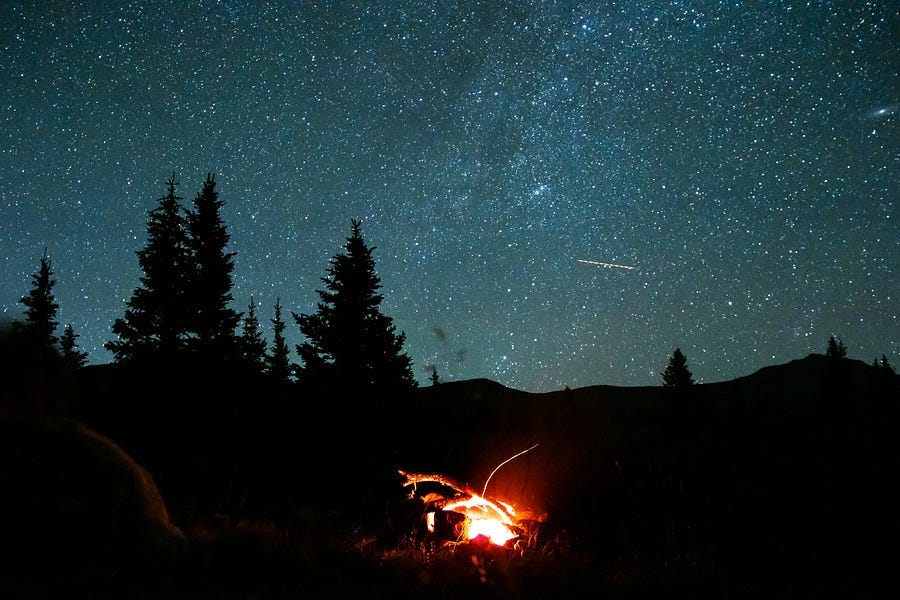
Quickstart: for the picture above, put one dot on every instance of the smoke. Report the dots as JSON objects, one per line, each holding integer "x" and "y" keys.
{"x": 447, "y": 355}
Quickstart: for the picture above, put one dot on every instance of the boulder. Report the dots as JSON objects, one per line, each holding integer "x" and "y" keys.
{"x": 71, "y": 497}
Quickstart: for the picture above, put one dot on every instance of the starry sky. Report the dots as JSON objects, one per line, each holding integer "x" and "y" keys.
{"x": 741, "y": 156}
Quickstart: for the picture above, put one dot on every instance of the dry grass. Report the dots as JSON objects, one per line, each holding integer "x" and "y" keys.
{"x": 315, "y": 555}
{"x": 321, "y": 554}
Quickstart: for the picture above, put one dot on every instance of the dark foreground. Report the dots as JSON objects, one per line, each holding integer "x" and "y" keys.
{"x": 777, "y": 485}
{"x": 263, "y": 559}
{"x": 300, "y": 560}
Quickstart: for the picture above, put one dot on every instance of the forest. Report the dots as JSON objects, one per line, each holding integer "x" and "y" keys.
{"x": 205, "y": 462}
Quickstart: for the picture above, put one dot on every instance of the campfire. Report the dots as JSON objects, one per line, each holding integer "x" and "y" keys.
{"x": 464, "y": 514}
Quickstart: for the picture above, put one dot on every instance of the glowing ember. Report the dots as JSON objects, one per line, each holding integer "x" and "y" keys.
{"x": 484, "y": 519}
{"x": 492, "y": 519}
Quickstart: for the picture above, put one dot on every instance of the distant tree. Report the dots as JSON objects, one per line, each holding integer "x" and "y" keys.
{"x": 40, "y": 323}
{"x": 836, "y": 380}
{"x": 252, "y": 341}
{"x": 677, "y": 375}
{"x": 349, "y": 341}
{"x": 73, "y": 357}
{"x": 435, "y": 380}
{"x": 279, "y": 362}
{"x": 836, "y": 348}
{"x": 154, "y": 322}
{"x": 886, "y": 381}
{"x": 212, "y": 323}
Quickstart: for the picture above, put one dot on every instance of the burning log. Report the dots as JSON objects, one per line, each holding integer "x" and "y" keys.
{"x": 489, "y": 518}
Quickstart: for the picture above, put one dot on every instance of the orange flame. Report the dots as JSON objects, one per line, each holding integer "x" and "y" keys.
{"x": 492, "y": 519}
{"x": 486, "y": 519}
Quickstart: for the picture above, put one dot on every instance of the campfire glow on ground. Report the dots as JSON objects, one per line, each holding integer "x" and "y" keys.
{"x": 490, "y": 518}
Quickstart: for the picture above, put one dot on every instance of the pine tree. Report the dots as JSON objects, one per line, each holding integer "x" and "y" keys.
{"x": 74, "y": 357}
{"x": 40, "y": 308}
{"x": 154, "y": 321}
{"x": 886, "y": 379}
{"x": 279, "y": 363}
{"x": 349, "y": 341}
{"x": 211, "y": 322}
{"x": 885, "y": 366}
{"x": 677, "y": 375}
{"x": 253, "y": 343}
{"x": 835, "y": 349}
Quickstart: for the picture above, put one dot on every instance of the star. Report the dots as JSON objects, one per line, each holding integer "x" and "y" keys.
{"x": 485, "y": 147}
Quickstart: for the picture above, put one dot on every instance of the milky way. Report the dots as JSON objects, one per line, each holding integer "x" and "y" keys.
{"x": 742, "y": 156}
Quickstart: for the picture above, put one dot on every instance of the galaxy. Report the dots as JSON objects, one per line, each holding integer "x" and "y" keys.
{"x": 739, "y": 159}
{"x": 882, "y": 112}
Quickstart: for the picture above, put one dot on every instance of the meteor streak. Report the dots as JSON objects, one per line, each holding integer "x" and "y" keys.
{"x": 605, "y": 264}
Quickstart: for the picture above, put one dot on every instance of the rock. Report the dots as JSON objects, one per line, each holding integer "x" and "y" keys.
{"x": 70, "y": 496}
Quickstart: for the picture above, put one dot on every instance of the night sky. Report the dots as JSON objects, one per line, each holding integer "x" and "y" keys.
{"x": 741, "y": 156}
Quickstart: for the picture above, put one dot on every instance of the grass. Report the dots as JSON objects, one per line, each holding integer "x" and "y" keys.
{"x": 323, "y": 554}
{"x": 317, "y": 555}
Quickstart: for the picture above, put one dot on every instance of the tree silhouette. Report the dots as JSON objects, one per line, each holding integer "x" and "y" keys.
{"x": 837, "y": 380}
{"x": 886, "y": 381}
{"x": 73, "y": 357}
{"x": 677, "y": 375}
{"x": 279, "y": 362}
{"x": 211, "y": 321}
{"x": 835, "y": 349}
{"x": 252, "y": 341}
{"x": 154, "y": 321}
{"x": 349, "y": 341}
{"x": 40, "y": 308}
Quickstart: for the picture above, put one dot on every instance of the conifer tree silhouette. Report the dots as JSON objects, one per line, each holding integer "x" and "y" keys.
{"x": 211, "y": 322}
{"x": 154, "y": 321}
{"x": 677, "y": 375}
{"x": 349, "y": 341}
{"x": 73, "y": 357}
{"x": 837, "y": 380}
{"x": 835, "y": 348}
{"x": 40, "y": 323}
{"x": 886, "y": 380}
{"x": 279, "y": 362}
{"x": 252, "y": 341}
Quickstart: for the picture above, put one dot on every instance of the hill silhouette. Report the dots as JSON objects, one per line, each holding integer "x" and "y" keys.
{"x": 779, "y": 480}
{"x": 781, "y": 475}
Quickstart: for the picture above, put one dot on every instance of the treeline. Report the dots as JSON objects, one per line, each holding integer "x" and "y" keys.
{"x": 181, "y": 311}
{"x": 224, "y": 420}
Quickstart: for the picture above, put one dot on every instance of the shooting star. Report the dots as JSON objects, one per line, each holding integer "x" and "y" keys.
{"x": 605, "y": 264}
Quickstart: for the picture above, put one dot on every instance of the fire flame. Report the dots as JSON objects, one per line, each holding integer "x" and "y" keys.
{"x": 486, "y": 518}
{"x": 490, "y": 518}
